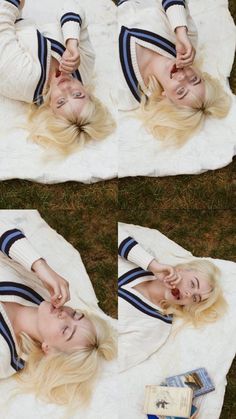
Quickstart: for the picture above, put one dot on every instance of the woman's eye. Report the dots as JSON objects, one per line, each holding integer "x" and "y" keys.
{"x": 60, "y": 101}
{"x": 194, "y": 79}
{"x": 192, "y": 284}
{"x": 77, "y": 94}
{"x": 194, "y": 298}
{"x": 76, "y": 315}
{"x": 180, "y": 91}
{"x": 64, "y": 330}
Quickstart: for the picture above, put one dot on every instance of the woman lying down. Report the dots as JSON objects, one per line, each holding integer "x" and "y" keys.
{"x": 51, "y": 349}
{"x": 51, "y": 69}
{"x": 159, "y": 73}
{"x": 152, "y": 294}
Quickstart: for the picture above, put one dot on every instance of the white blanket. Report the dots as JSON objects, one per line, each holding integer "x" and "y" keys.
{"x": 52, "y": 246}
{"x": 212, "y": 148}
{"x": 212, "y": 346}
{"x": 98, "y": 159}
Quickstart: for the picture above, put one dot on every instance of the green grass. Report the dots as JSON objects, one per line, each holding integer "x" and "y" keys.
{"x": 93, "y": 234}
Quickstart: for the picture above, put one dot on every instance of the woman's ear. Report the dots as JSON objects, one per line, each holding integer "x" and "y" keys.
{"x": 46, "y": 348}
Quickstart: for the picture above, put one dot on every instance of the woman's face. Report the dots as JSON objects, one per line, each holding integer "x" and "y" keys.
{"x": 68, "y": 95}
{"x": 193, "y": 288}
{"x": 182, "y": 86}
{"x": 63, "y": 329}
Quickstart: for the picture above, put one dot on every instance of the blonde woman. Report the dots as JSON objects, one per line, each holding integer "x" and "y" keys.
{"x": 51, "y": 349}
{"x": 51, "y": 69}
{"x": 151, "y": 293}
{"x": 157, "y": 45}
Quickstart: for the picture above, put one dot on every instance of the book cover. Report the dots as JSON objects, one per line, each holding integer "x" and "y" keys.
{"x": 198, "y": 380}
{"x": 192, "y": 414}
{"x": 168, "y": 401}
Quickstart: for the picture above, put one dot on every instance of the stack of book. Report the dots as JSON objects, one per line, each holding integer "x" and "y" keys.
{"x": 174, "y": 399}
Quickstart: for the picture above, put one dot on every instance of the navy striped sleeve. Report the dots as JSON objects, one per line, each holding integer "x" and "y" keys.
{"x": 125, "y": 246}
{"x": 168, "y": 3}
{"x": 120, "y": 2}
{"x": 14, "y": 2}
{"x": 71, "y": 17}
{"x": 8, "y": 238}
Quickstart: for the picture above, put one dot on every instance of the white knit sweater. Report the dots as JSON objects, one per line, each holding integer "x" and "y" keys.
{"x": 151, "y": 24}
{"x": 26, "y": 51}
{"x": 143, "y": 328}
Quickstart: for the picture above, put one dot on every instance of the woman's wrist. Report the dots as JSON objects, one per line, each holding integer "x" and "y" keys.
{"x": 38, "y": 265}
{"x": 153, "y": 265}
{"x": 72, "y": 41}
{"x": 181, "y": 30}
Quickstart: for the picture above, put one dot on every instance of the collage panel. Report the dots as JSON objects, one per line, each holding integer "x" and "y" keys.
{"x": 58, "y": 309}
{"x": 58, "y": 120}
{"x": 176, "y": 106}
{"x": 176, "y": 307}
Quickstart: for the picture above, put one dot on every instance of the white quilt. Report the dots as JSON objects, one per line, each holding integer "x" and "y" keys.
{"x": 212, "y": 346}
{"x": 97, "y": 160}
{"x": 52, "y": 246}
{"x": 212, "y": 148}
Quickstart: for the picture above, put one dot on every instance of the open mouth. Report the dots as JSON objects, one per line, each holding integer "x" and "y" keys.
{"x": 58, "y": 73}
{"x": 174, "y": 70}
{"x": 176, "y": 293}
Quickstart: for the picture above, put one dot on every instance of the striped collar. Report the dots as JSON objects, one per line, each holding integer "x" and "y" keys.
{"x": 27, "y": 293}
{"x": 43, "y": 49}
{"x": 136, "y": 301}
{"x": 125, "y": 53}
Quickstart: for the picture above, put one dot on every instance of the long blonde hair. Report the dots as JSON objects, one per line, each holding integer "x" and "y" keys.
{"x": 208, "y": 310}
{"x": 176, "y": 124}
{"x": 66, "y": 135}
{"x": 62, "y": 378}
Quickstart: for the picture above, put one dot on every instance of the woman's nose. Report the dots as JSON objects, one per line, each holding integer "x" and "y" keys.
{"x": 181, "y": 76}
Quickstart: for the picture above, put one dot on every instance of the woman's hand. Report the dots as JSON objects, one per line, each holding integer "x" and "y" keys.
{"x": 71, "y": 58}
{"x": 165, "y": 273}
{"x": 55, "y": 284}
{"x": 22, "y": 3}
{"x": 185, "y": 51}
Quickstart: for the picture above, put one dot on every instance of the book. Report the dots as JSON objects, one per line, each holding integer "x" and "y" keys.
{"x": 198, "y": 380}
{"x": 168, "y": 401}
{"x": 193, "y": 415}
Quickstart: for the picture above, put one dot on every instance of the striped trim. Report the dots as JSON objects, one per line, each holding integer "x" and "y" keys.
{"x": 134, "y": 300}
{"x": 16, "y": 362}
{"x": 9, "y": 238}
{"x": 42, "y": 55}
{"x": 132, "y": 275}
{"x": 20, "y": 290}
{"x": 168, "y": 3}
{"x": 125, "y": 53}
{"x": 14, "y": 2}
{"x": 125, "y": 247}
{"x": 142, "y": 306}
{"x": 68, "y": 17}
{"x": 60, "y": 49}
{"x": 120, "y": 2}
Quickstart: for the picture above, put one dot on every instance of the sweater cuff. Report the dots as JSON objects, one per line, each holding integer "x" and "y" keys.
{"x": 177, "y": 16}
{"x": 15, "y": 3}
{"x": 70, "y": 29}
{"x": 140, "y": 257}
{"x": 23, "y": 253}
{"x": 12, "y": 8}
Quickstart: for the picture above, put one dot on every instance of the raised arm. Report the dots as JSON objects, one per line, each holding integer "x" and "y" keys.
{"x": 72, "y": 17}
{"x": 130, "y": 249}
{"x": 176, "y": 12}
{"x": 15, "y": 245}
